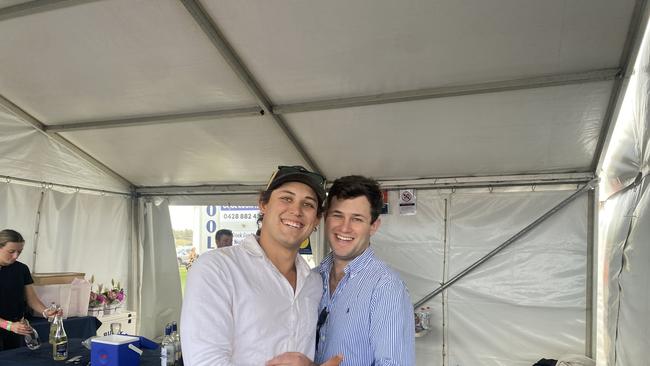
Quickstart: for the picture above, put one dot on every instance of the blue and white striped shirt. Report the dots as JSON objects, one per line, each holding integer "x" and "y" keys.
{"x": 370, "y": 316}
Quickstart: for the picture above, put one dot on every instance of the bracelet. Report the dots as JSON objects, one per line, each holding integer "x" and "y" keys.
{"x": 43, "y": 313}
{"x": 8, "y": 327}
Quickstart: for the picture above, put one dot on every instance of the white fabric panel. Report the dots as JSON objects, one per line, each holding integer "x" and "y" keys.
{"x": 541, "y": 130}
{"x": 160, "y": 283}
{"x": 615, "y": 218}
{"x": 527, "y": 302}
{"x": 85, "y": 233}
{"x": 634, "y": 320}
{"x": 308, "y": 50}
{"x": 18, "y": 211}
{"x": 29, "y": 154}
{"x": 624, "y": 225}
{"x": 629, "y": 150}
{"x": 111, "y": 59}
{"x": 225, "y": 151}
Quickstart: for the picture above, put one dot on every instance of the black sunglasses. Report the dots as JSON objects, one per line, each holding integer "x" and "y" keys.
{"x": 286, "y": 169}
{"x": 322, "y": 318}
{"x": 298, "y": 168}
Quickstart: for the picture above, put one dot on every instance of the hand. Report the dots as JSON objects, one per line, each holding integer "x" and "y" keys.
{"x": 290, "y": 359}
{"x": 334, "y": 361}
{"x": 49, "y": 312}
{"x": 21, "y": 328}
{"x": 298, "y": 359}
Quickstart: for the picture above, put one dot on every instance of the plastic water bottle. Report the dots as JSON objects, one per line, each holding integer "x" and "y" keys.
{"x": 167, "y": 350}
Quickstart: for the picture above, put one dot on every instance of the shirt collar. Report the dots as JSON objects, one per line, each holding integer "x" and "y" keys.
{"x": 253, "y": 248}
{"x": 354, "y": 267}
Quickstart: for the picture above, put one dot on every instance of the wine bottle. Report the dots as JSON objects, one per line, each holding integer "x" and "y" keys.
{"x": 60, "y": 341}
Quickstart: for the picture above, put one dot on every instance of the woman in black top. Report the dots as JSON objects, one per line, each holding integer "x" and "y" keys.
{"x": 16, "y": 291}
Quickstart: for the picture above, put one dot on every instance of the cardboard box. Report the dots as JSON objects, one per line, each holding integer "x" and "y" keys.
{"x": 127, "y": 319}
{"x": 60, "y": 278}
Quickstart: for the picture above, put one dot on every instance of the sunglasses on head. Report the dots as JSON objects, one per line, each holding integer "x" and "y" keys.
{"x": 286, "y": 169}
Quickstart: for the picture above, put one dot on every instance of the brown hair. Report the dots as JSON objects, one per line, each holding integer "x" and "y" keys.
{"x": 8, "y": 235}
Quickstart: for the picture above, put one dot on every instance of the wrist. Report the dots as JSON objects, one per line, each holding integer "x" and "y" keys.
{"x": 44, "y": 313}
{"x": 8, "y": 325}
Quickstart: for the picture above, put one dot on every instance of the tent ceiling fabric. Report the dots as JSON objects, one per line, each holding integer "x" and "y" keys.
{"x": 320, "y": 50}
{"x": 240, "y": 150}
{"x": 122, "y": 59}
{"x": 552, "y": 129}
{"x": 112, "y": 59}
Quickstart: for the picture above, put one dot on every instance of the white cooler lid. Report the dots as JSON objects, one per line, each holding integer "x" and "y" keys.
{"x": 115, "y": 339}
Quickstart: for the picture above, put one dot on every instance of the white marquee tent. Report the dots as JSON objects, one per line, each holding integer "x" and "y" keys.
{"x": 495, "y": 112}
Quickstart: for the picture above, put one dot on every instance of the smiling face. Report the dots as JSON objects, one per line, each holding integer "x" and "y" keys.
{"x": 290, "y": 216}
{"x": 9, "y": 253}
{"x": 348, "y": 227}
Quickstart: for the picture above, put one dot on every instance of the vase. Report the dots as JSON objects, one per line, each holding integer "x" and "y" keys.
{"x": 109, "y": 309}
{"x": 95, "y": 311}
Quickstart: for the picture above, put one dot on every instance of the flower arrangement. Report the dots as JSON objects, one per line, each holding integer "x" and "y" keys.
{"x": 97, "y": 298}
{"x": 114, "y": 295}
{"x": 106, "y": 300}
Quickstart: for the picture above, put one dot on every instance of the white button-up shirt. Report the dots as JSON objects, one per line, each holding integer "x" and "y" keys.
{"x": 239, "y": 309}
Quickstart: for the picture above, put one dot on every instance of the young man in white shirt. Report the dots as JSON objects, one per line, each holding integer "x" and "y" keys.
{"x": 246, "y": 304}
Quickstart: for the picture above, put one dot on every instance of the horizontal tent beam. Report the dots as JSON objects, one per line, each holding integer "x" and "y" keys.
{"x": 428, "y": 183}
{"x": 218, "y": 189}
{"x": 38, "y": 125}
{"x": 154, "y": 120}
{"x": 37, "y": 6}
{"x": 47, "y": 185}
{"x": 489, "y": 181}
{"x": 422, "y": 94}
{"x": 452, "y": 91}
{"x": 587, "y": 187}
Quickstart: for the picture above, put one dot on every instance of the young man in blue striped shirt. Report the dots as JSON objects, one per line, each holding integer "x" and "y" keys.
{"x": 365, "y": 313}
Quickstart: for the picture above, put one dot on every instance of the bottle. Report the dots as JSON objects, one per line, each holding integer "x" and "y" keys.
{"x": 177, "y": 344}
{"x": 50, "y": 319}
{"x": 167, "y": 348}
{"x": 31, "y": 340}
{"x": 60, "y": 340}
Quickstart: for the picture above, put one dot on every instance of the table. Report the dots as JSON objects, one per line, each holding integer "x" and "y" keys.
{"x": 75, "y": 327}
{"x": 43, "y": 356}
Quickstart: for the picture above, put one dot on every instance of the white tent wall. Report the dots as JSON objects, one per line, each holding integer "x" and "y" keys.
{"x": 526, "y": 303}
{"x": 158, "y": 278}
{"x": 77, "y": 232}
{"x": 18, "y": 211}
{"x": 625, "y": 226}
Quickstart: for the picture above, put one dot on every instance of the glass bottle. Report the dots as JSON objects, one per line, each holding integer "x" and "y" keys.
{"x": 177, "y": 343}
{"x": 32, "y": 341}
{"x": 167, "y": 348}
{"x": 60, "y": 340}
{"x": 50, "y": 319}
